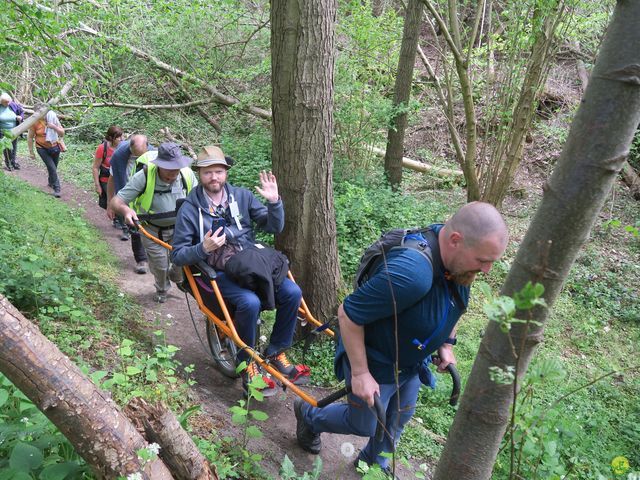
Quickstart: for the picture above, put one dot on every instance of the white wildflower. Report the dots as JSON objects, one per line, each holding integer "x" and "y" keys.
{"x": 24, "y": 419}
{"x": 134, "y": 476}
{"x": 121, "y": 294}
{"x": 169, "y": 315}
{"x": 347, "y": 449}
{"x": 154, "y": 448}
{"x": 263, "y": 339}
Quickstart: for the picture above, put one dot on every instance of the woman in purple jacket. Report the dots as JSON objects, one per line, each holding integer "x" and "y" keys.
{"x": 11, "y": 114}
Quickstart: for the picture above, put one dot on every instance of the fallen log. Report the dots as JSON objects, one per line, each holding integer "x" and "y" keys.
{"x": 159, "y": 425}
{"x": 87, "y": 416}
{"x": 420, "y": 166}
{"x": 41, "y": 111}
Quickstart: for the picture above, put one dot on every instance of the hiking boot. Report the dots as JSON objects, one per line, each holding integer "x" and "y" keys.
{"x": 251, "y": 372}
{"x": 141, "y": 267}
{"x": 296, "y": 374}
{"x": 161, "y": 297}
{"x": 125, "y": 235}
{"x": 57, "y": 193}
{"x": 16, "y": 166}
{"x": 308, "y": 440}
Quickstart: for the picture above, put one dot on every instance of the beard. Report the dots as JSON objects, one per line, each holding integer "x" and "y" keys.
{"x": 213, "y": 187}
{"x": 463, "y": 278}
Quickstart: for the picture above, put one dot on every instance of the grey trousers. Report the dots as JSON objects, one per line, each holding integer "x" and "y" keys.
{"x": 159, "y": 264}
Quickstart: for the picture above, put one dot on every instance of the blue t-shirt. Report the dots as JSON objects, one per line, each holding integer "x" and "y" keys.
{"x": 425, "y": 306}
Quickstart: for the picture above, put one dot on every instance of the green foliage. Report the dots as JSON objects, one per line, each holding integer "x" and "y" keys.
{"x": 634, "y": 152}
{"x": 30, "y": 445}
{"x": 364, "y": 212}
{"x": 288, "y": 472}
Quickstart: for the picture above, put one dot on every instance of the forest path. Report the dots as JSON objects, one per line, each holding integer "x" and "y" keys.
{"x": 214, "y": 391}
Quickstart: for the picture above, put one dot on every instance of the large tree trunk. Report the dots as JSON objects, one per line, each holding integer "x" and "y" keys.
{"x": 595, "y": 151}
{"x": 402, "y": 92}
{"x": 89, "y": 419}
{"x": 302, "y": 53}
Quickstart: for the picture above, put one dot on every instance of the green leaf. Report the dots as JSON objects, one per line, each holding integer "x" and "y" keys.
{"x": 254, "y": 432}
{"x": 239, "y": 419}
{"x": 259, "y": 415}
{"x": 4, "y": 396}
{"x": 133, "y": 370}
{"x": 25, "y": 457}
{"x": 59, "y": 471}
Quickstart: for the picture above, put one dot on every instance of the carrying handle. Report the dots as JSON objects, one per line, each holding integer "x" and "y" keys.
{"x": 381, "y": 415}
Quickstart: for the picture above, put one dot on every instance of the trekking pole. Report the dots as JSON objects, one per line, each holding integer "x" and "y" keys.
{"x": 381, "y": 415}
{"x": 455, "y": 380}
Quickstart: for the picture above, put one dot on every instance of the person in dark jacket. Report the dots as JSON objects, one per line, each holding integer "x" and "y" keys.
{"x": 215, "y": 222}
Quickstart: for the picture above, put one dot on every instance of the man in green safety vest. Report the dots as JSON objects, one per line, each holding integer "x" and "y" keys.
{"x": 161, "y": 179}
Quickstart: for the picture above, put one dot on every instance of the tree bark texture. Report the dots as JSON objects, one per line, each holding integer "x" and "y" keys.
{"x": 594, "y": 154}
{"x": 303, "y": 57}
{"x": 89, "y": 419}
{"x": 402, "y": 92}
{"x": 159, "y": 425}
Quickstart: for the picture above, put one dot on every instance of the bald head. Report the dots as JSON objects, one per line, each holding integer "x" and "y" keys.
{"x": 474, "y": 238}
{"x": 476, "y": 221}
{"x": 138, "y": 145}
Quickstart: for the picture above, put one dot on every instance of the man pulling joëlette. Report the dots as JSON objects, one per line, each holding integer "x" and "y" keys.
{"x": 405, "y": 311}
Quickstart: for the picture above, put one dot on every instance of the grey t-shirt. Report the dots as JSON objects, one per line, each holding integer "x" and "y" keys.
{"x": 164, "y": 197}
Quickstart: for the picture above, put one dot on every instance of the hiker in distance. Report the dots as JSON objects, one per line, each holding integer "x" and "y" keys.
{"x": 430, "y": 292}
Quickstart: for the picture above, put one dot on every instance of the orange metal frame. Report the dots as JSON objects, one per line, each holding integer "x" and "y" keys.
{"x": 226, "y": 326}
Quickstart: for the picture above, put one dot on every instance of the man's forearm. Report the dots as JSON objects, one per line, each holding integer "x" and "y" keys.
{"x": 353, "y": 340}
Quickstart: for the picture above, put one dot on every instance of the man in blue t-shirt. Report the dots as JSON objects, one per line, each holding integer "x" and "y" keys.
{"x": 407, "y": 310}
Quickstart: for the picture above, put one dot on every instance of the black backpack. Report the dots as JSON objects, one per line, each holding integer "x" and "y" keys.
{"x": 391, "y": 240}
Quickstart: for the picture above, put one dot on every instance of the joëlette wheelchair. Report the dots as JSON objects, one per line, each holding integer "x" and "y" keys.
{"x": 224, "y": 341}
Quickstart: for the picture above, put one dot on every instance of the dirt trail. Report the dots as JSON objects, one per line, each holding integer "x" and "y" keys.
{"x": 214, "y": 391}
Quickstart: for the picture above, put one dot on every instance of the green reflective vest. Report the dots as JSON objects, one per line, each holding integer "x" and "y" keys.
{"x": 142, "y": 204}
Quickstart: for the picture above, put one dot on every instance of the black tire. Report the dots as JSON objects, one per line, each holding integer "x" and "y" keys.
{"x": 224, "y": 352}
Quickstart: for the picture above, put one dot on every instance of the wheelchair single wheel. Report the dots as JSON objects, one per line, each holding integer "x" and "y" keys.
{"x": 224, "y": 351}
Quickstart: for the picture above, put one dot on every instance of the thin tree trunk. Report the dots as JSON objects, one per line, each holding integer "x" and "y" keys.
{"x": 219, "y": 97}
{"x": 593, "y": 156}
{"x": 505, "y": 163}
{"x": 402, "y": 92}
{"x": 303, "y": 54}
{"x": 89, "y": 419}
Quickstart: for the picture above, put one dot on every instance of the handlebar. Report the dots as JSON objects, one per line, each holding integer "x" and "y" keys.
{"x": 381, "y": 414}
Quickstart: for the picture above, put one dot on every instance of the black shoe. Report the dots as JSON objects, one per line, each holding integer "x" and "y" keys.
{"x": 16, "y": 166}
{"x": 57, "y": 194}
{"x": 308, "y": 440}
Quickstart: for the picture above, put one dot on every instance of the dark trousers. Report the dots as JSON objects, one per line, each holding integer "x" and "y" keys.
{"x": 51, "y": 162}
{"x": 247, "y": 310}
{"x": 9, "y": 154}
{"x": 139, "y": 254}
{"x": 14, "y": 152}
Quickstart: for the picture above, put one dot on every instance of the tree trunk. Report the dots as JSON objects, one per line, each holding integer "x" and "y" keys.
{"x": 177, "y": 449}
{"x": 402, "y": 92}
{"x": 89, "y": 419}
{"x": 303, "y": 54}
{"x": 505, "y": 162}
{"x": 594, "y": 154}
